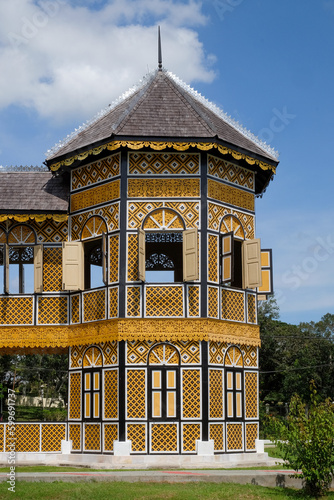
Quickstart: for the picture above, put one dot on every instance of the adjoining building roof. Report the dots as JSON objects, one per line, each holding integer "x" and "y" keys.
{"x": 162, "y": 107}
{"x": 33, "y": 192}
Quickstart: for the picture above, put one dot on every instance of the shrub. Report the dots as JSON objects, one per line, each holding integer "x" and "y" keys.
{"x": 307, "y": 442}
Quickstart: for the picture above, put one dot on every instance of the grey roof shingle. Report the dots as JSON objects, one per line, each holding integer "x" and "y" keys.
{"x": 33, "y": 192}
{"x": 161, "y": 109}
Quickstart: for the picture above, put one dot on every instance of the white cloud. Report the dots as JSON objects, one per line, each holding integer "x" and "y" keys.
{"x": 69, "y": 59}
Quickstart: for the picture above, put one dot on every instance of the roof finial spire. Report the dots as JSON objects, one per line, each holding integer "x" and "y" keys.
{"x": 159, "y": 51}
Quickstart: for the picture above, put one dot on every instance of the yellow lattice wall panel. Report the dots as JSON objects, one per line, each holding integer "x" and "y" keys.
{"x": 50, "y": 231}
{"x": 217, "y": 212}
{"x": 113, "y": 258}
{"x": 230, "y": 195}
{"x": 193, "y": 301}
{"x": 163, "y": 163}
{"x": 113, "y": 302}
{"x": 2, "y": 437}
{"x": 27, "y": 437}
{"x": 213, "y": 258}
{"x": 250, "y": 356}
{"x": 251, "y": 308}
{"x": 164, "y": 438}
{"x": 52, "y": 435}
{"x": 232, "y": 305}
{"x": 110, "y": 213}
{"x": 217, "y": 352}
{"x": 76, "y": 352}
{"x": 191, "y": 394}
{"x": 217, "y": 434}
{"x": 234, "y": 437}
{"x": 189, "y": 350}
{"x": 213, "y": 302}
{"x": 137, "y": 351}
{"x": 52, "y": 269}
{"x": 75, "y": 436}
{"x": 52, "y": 310}
{"x": 226, "y": 171}
{"x": 95, "y": 196}
{"x": 190, "y": 433}
{"x": 95, "y": 172}
{"x": 16, "y": 311}
{"x": 136, "y": 394}
{"x": 110, "y": 435}
{"x": 75, "y": 308}
{"x": 164, "y": 301}
{"x": 111, "y": 394}
{"x": 136, "y": 433}
{"x": 216, "y": 394}
{"x": 94, "y": 305}
{"x": 133, "y": 294}
{"x": 110, "y": 352}
{"x": 190, "y": 211}
{"x": 251, "y": 394}
{"x": 74, "y": 396}
{"x": 132, "y": 274}
{"x": 92, "y": 437}
{"x": 251, "y": 435}
{"x": 163, "y": 188}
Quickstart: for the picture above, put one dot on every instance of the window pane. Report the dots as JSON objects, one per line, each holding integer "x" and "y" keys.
{"x": 239, "y": 407}
{"x": 156, "y": 396}
{"x": 96, "y": 405}
{"x": 14, "y": 278}
{"x": 87, "y": 381}
{"x": 87, "y": 405}
{"x": 96, "y": 276}
{"x": 28, "y": 278}
{"x": 238, "y": 381}
{"x": 230, "y": 404}
{"x": 156, "y": 380}
{"x": 160, "y": 276}
{"x": 171, "y": 406}
{"x": 171, "y": 380}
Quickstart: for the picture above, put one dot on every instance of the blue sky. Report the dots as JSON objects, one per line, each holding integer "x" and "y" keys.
{"x": 268, "y": 64}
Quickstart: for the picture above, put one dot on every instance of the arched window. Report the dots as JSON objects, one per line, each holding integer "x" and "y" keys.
{"x": 234, "y": 383}
{"x": 20, "y": 256}
{"x": 168, "y": 253}
{"x": 164, "y": 381}
{"x": 240, "y": 259}
{"x": 92, "y": 363}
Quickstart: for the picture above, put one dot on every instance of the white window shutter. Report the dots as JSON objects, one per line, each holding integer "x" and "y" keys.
{"x": 141, "y": 254}
{"x": 251, "y": 264}
{"x": 105, "y": 258}
{"x": 38, "y": 268}
{"x": 73, "y": 265}
{"x": 227, "y": 242}
{"x": 190, "y": 255}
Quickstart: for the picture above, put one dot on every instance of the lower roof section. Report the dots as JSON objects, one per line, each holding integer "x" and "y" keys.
{"x": 55, "y": 337}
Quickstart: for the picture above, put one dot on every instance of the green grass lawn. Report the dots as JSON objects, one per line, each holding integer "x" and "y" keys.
{"x": 146, "y": 491}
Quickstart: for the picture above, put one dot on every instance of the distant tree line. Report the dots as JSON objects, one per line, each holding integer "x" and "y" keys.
{"x": 291, "y": 356}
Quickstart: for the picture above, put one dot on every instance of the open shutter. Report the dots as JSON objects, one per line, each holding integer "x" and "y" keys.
{"x": 105, "y": 258}
{"x": 190, "y": 255}
{"x": 141, "y": 254}
{"x": 73, "y": 262}
{"x": 227, "y": 242}
{"x": 6, "y": 276}
{"x": 38, "y": 268}
{"x": 267, "y": 275}
{"x": 251, "y": 264}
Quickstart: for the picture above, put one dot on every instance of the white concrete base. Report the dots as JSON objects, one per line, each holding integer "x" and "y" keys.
{"x": 259, "y": 445}
{"x": 204, "y": 448}
{"x": 122, "y": 448}
{"x": 66, "y": 447}
{"x": 99, "y": 461}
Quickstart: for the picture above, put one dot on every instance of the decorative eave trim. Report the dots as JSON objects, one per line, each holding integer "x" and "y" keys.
{"x": 155, "y": 330}
{"x": 37, "y": 217}
{"x": 179, "y": 146}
